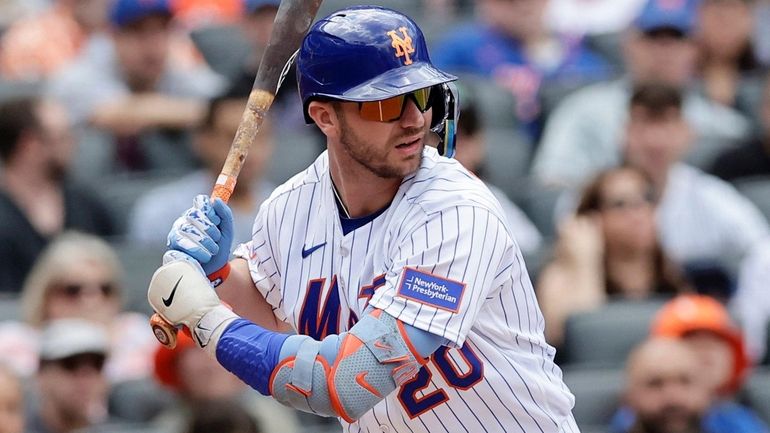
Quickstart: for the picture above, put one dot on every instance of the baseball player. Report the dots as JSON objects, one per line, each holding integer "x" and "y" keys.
{"x": 409, "y": 302}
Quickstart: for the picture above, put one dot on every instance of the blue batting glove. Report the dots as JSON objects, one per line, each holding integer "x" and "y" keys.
{"x": 205, "y": 233}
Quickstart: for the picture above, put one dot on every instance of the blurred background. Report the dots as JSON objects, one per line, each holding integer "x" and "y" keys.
{"x": 628, "y": 141}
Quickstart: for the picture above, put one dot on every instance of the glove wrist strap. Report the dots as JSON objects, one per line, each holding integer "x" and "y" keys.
{"x": 218, "y": 277}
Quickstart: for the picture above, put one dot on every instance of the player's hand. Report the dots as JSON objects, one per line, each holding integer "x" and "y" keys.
{"x": 205, "y": 233}
{"x": 182, "y": 295}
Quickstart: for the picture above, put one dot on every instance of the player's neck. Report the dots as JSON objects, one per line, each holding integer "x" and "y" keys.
{"x": 362, "y": 192}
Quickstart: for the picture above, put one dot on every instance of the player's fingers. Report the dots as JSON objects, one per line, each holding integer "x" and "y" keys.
{"x": 203, "y": 203}
{"x": 225, "y": 214}
{"x": 189, "y": 239}
{"x": 203, "y": 223}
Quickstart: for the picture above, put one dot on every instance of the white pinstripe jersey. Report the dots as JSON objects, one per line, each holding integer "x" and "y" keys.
{"x": 441, "y": 258}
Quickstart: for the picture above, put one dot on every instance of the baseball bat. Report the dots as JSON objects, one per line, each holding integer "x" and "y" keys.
{"x": 292, "y": 21}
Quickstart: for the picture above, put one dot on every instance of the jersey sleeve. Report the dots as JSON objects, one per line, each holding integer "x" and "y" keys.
{"x": 263, "y": 266}
{"x": 442, "y": 271}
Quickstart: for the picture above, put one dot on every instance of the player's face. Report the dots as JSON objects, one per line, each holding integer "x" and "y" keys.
{"x": 387, "y": 149}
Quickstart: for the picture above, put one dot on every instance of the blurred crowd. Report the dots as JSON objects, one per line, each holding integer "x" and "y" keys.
{"x": 627, "y": 140}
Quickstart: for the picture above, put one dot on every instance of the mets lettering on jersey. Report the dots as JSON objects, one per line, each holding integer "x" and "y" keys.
{"x": 441, "y": 258}
{"x": 431, "y": 290}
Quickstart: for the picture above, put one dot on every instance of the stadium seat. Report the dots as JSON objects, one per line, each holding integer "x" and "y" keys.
{"x": 293, "y": 153}
{"x": 223, "y": 47}
{"x": 605, "y": 337}
{"x": 756, "y": 189}
{"x": 508, "y": 156}
{"x": 597, "y": 393}
{"x": 757, "y": 392}
{"x": 138, "y": 401}
{"x": 139, "y": 263}
{"x": 120, "y": 193}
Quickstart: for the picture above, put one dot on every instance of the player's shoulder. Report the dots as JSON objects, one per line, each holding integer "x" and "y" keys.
{"x": 442, "y": 183}
{"x": 307, "y": 178}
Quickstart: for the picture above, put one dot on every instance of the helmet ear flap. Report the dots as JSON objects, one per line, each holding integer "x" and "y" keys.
{"x": 446, "y": 113}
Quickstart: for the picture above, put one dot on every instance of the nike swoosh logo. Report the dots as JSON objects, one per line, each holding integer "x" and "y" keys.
{"x": 167, "y": 301}
{"x": 361, "y": 380}
{"x": 309, "y": 251}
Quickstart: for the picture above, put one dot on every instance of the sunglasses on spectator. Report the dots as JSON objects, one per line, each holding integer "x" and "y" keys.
{"x": 391, "y": 109}
{"x": 76, "y": 290}
{"x": 71, "y": 364}
{"x": 622, "y": 203}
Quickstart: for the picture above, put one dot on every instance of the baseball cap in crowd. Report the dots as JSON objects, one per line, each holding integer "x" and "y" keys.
{"x": 126, "y": 12}
{"x": 65, "y": 338}
{"x": 691, "y": 313}
{"x": 166, "y": 361}
{"x": 679, "y": 15}
{"x": 255, "y": 5}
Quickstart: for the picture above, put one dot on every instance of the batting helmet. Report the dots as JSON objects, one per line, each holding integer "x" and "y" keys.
{"x": 370, "y": 53}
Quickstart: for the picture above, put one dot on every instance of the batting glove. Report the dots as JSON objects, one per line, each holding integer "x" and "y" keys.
{"x": 183, "y": 296}
{"x": 205, "y": 233}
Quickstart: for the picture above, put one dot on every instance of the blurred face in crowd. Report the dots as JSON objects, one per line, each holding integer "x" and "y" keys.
{"x": 91, "y": 14}
{"x": 656, "y": 140}
{"x": 57, "y": 141}
{"x": 73, "y": 390}
{"x": 471, "y": 150}
{"x": 627, "y": 213}
{"x": 521, "y": 19}
{"x": 661, "y": 55}
{"x": 663, "y": 388}
{"x": 765, "y": 111}
{"x": 11, "y": 403}
{"x": 715, "y": 356}
{"x": 258, "y": 25}
{"x": 142, "y": 48}
{"x": 194, "y": 364}
{"x": 88, "y": 290}
{"x": 725, "y": 28}
{"x": 213, "y": 142}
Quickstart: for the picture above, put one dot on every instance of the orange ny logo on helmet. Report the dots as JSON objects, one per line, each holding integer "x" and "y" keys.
{"x": 403, "y": 45}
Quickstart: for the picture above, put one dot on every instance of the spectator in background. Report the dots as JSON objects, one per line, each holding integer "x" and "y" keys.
{"x": 472, "y": 153}
{"x": 78, "y": 276}
{"x": 727, "y": 63}
{"x": 753, "y": 158}
{"x": 584, "y": 134}
{"x": 663, "y": 392}
{"x": 511, "y": 44}
{"x": 138, "y": 87}
{"x": 181, "y": 370}
{"x": 37, "y": 200}
{"x": 595, "y": 17}
{"x": 703, "y": 326}
{"x": 37, "y": 47}
{"x": 213, "y": 137}
{"x": 11, "y": 402}
{"x": 608, "y": 250}
{"x": 71, "y": 386}
{"x": 703, "y": 222}
{"x": 751, "y": 302}
{"x": 221, "y": 417}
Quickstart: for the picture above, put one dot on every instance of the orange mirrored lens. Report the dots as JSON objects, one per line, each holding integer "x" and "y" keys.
{"x": 390, "y": 109}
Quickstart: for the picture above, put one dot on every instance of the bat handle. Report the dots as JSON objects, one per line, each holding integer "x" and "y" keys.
{"x": 164, "y": 332}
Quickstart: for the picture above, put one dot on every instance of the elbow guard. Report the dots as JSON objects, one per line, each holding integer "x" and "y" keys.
{"x": 346, "y": 375}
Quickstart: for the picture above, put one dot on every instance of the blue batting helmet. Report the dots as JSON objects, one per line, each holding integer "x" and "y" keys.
{"x": 370, "y": 53}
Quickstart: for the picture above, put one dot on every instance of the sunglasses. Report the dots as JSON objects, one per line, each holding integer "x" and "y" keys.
{"x": 76, "y": 290}
{"x": 621, "y": 203}
{"x": 391, "y": 109}
{"x": 71, "y": 364}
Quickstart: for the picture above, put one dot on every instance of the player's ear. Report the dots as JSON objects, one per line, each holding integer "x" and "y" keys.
{"x": 324, "y": 116}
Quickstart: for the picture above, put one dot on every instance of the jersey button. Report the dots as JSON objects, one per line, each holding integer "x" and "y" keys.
{"x": 344, "y": 251}
{"x": 384, "y": 429}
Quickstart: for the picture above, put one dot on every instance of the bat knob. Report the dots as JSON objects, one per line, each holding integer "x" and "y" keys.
{"x": 164, "y": 332}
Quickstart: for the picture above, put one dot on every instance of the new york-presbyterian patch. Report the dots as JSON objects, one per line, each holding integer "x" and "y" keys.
{"x": 431, "y": 290}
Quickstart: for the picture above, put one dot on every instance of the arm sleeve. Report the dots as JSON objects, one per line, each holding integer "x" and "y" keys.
{"x": 445, "y": 269}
